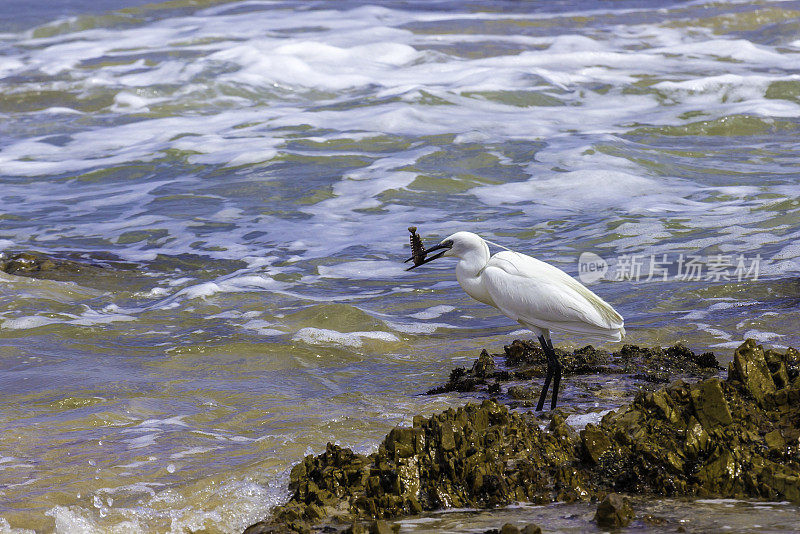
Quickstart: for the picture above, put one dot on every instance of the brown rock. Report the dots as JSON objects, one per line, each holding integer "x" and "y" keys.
{"x": 260, "y": 528}
{"x": 710, "y": 404}
{"x": 355, "y": 528}
{"x": 522, "y": 393}
{"x": 751, "y": 368}
{"x": 380, "y": 527}
{"x": 484, "y": 365}
{"x": 614, "y": 512}
{"x": 595, "y": 442}
{"x": 775, "y": 441}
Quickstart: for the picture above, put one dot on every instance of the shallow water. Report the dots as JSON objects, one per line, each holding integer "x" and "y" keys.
{"x": 668, "y": 515}
{"x": 246, "y": 172}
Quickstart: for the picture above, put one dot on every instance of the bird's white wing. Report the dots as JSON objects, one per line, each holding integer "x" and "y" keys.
{"x": 537, "y": 294}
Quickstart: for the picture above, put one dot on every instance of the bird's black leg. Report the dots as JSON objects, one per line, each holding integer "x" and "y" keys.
{"x": 550, "y": 370}
{"x": 556, "y": 376}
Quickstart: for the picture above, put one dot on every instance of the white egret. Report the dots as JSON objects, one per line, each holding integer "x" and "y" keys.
{"x": 534, "y": 293}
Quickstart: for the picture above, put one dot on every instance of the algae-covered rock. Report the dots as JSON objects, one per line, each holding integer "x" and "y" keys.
{"x": 475, "y": 456}
{"x": 524, "y": 352}
{"x": 775, "y": 441}
{"x": 94, "y": 270}
{"x": 261, "y": 528}
{"x": 380, "y": 527}
{"x": 484, "y": 365}
{"x": 595, "y": 442}
{"x": 37, "y": 265}
{"x": 713, "y": 439}
{"x": 710, "y": 405}
{"x": 459, "y": 380}
{"x": 25, "y": 262}
{"x": 509, "y": 528}
{"x": 614, "y": 512}
{"x": 522, "y": 392}
{"x": 106, "y": 271}
{"x": 525, "y": 361}
{"x": 751, "y": 369}
{"x": 706, "y": 439}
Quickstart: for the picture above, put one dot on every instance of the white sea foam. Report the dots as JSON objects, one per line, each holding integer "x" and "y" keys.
{"x": 367, "y": 48}
{"x": 761, "y": 336}
{"x": 595, "y": 189}
{"x": 313, "y": 64}
{"x": 323, "y": 336}
{"x": 716, "y": 332}
{"x": 87, "y": 317}
{"x": 6, "y": 528}
{"x": 192, "y": 451}
{"x": 24, "y": 323}
{"x": 433, "y": 312}
{"x": 362, "y": 270}
{"x": 71, "y": 520}
{"x": 789, "y": 252}
{"x": 418, "y": 328}
{"x": 580, "y": 421}
{"x": 250, "y": 282}
{"x": 264, "y": 328}
{"x": 388, "y": 57}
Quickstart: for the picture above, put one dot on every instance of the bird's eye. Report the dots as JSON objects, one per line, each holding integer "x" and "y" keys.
{"x": 448, "y": 243}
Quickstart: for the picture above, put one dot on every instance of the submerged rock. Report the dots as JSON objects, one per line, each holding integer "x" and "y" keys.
{"x": 508, "y": 528}
{"x": 106, "y": 271}
{"x": 733, "y": 438}
{"x": 101, "y": 271}
{"x": 380, "y": 527}
{"x": 614, "y": 512}
{"x": 27, "y": 264}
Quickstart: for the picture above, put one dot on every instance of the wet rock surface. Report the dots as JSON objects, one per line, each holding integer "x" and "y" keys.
{"x": 475, "y": 456}
{"x": 508, "y": 528}
{"x": 39, "y": 265}
{"x": 106, "y": 271}
{"x": 496, "y": 375}
{"x": 614, "y": 511}
{"x": 736, "y": 438}
{"x": 98, "y": 271}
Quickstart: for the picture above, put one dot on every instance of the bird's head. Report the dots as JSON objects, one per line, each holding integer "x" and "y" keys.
{"x": 458, "y": 245}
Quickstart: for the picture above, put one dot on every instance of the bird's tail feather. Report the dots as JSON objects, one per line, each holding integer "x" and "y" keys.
{"x": 583, "y": 329}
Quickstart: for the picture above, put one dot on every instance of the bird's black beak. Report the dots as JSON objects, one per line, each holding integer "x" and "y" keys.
{"x": 447, "y": 245}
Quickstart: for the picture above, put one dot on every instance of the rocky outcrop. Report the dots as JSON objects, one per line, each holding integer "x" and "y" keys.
{"x": 475, "y": 456}
{"x": 724, "y": 438}
{"x": 524, "y": 360}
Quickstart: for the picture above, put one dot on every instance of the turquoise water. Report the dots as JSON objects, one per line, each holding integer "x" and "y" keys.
{"x": 241, "y": 175}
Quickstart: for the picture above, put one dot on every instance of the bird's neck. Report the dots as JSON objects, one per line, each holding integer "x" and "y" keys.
{"x": 468, "y": 271}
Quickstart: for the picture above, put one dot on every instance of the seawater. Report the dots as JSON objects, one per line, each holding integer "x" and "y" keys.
{"x": 242, "y": 175}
